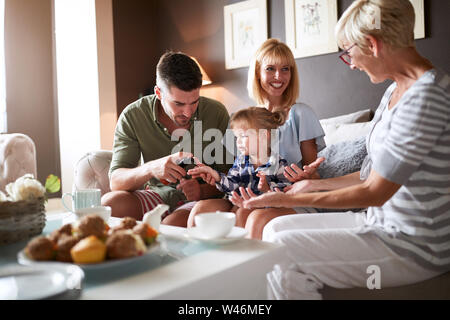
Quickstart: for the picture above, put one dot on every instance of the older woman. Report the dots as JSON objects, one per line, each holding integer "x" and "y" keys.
{"x": 404, "y": 236}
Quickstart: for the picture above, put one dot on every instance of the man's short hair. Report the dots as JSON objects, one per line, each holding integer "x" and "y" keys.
{"x": 179, "y": 70}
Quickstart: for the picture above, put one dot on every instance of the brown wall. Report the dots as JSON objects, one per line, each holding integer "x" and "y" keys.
{"x": 29, "y": 79}
{"x": 196, "y": 27}
{"x": 137, "y": 48}
{"x": 143, "y": 30}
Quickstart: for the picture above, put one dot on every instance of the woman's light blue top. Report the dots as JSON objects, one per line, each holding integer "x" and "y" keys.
{"x": 301, "y": 125}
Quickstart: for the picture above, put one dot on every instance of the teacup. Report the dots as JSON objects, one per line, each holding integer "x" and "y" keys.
{"x": 85, "y": 198}
{"x": 102, "y": 211}
{"x": 214, "y": 225}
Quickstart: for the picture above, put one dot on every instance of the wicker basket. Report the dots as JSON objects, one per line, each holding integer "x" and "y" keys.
{"x": 21, "y": 220}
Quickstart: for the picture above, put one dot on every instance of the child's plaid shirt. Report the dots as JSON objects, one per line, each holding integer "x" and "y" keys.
{"x": 243, "y": 174}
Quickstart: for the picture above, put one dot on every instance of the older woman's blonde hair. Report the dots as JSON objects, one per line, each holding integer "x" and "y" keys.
{"x": 391, "y": 21}
{"x": 272, "y": 51}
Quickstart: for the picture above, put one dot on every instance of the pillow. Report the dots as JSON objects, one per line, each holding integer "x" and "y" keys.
{"x": 342, "y": 158}
{"x": 335, "y": 133}
{"x": 358, "y": 116}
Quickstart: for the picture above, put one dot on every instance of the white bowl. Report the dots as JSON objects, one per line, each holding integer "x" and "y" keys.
{"x": 102, "y": 211}
{"x": 213, "y": 225}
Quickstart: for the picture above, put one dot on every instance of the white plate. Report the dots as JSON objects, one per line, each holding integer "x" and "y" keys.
{"x": 38, "y": 281}
{"x": 24, "y": 260}
{"x": 235, "y": 234}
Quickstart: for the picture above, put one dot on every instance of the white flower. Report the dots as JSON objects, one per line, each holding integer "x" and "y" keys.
{"x": 25, "y": 188}
{"x": 3, "y": 197}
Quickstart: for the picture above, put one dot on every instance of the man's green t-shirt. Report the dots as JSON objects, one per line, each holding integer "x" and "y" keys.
{"x": 138, "y": 133}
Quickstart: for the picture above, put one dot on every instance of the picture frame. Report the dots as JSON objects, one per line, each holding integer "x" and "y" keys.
{"x": 245, "y": 30}
{"x": 310, "y": 26}
{"x": 419, "y": 27}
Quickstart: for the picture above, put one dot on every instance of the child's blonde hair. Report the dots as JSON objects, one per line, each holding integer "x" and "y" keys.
{"x": 258, "y": 118}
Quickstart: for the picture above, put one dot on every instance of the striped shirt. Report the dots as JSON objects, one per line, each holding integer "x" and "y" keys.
{"x": 243, "y": 174}
{"x": 410, "y": 145}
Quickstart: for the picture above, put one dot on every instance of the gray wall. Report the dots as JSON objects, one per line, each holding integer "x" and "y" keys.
{"x": 329, "y": 86}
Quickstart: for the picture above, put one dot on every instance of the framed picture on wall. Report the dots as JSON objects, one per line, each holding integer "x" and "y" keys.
{"x": 245, "y": 30}
{"x": 419, "y": 27}
{"x": 310, "y": 26}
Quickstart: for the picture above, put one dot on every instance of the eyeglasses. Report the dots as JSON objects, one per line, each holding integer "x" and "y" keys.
{"x": 345, "y": 56}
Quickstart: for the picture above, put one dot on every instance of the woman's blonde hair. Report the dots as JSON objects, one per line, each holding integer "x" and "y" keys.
{"x": 273, "y": 51}
{"x": 391, "y": 21}
{"x": 257, "y": 118}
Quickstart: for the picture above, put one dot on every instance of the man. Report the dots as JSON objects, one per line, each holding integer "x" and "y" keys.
{"x": 152, "y": 127}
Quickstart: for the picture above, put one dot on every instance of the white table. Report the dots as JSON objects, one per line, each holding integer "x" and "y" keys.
{"x": 235, "y": 270}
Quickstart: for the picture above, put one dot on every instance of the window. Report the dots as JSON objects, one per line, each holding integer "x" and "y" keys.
{"x": 3, "y": 126}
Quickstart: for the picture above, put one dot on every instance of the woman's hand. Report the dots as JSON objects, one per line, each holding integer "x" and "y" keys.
{"x": 247, "y": 194}
{"x": 300, "y": 187}
{"x": 294, "y": 173}
{"x": 276, "y": 199}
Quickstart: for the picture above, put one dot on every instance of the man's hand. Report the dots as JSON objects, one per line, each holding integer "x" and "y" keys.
{"x": 294, "y": 173}
{"x": 191, "y": 189}
{"x": 167, "y": 169}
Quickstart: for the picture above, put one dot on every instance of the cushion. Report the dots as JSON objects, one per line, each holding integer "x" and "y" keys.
{"x": 358, "y": 116}
{"x": 91, "y": 171}
{"x": 17, "y": 157}
{"x": 335, "y": 133}
{"x": 342, "y": 158}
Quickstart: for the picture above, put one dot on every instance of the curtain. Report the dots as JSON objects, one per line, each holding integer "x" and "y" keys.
{"x": 3, "y": 126}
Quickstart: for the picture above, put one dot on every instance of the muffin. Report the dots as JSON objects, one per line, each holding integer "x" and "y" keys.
{"x": 64, "y": 230}
{"x": 63, "y": 247}
{"x": 124, "y": 244}
{"x": 91, "y": 225}
{"x": 147, "y": 233}
{"x": 89, "y": 250}
{"x": 40, "y": 248}
{"x": 127, "y": 223}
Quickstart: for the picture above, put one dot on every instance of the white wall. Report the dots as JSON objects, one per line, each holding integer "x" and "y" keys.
{"x": 77, "y": 83}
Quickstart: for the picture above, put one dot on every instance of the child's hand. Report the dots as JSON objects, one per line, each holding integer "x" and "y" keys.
{"x": 208, "y": 174}
{"x": 263, "y": 186}
{"x": 236, "y": 199}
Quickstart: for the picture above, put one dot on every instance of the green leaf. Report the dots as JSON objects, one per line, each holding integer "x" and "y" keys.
{"x": 52, "y": 184}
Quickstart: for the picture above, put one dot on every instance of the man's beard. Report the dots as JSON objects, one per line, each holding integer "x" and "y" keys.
{"x": 181, "y": 121}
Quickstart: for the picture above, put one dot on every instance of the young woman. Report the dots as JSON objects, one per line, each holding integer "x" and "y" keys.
{"x": 404, "y": 181}
{"x": 273, "y": 82}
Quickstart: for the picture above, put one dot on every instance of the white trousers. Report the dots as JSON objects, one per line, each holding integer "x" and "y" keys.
{"x": 325, "y": 249}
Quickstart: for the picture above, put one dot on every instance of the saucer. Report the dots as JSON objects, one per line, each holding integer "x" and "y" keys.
{"x": 38, "y": 281}
{"x": 235, "y": 234}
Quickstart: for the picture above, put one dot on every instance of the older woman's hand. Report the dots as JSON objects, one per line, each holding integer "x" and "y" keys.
{"x": 269, "y": 199}
{"x": 294, "y": 173}
{"x": 246, "y": 194}
{"x": 300, "y": 187}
